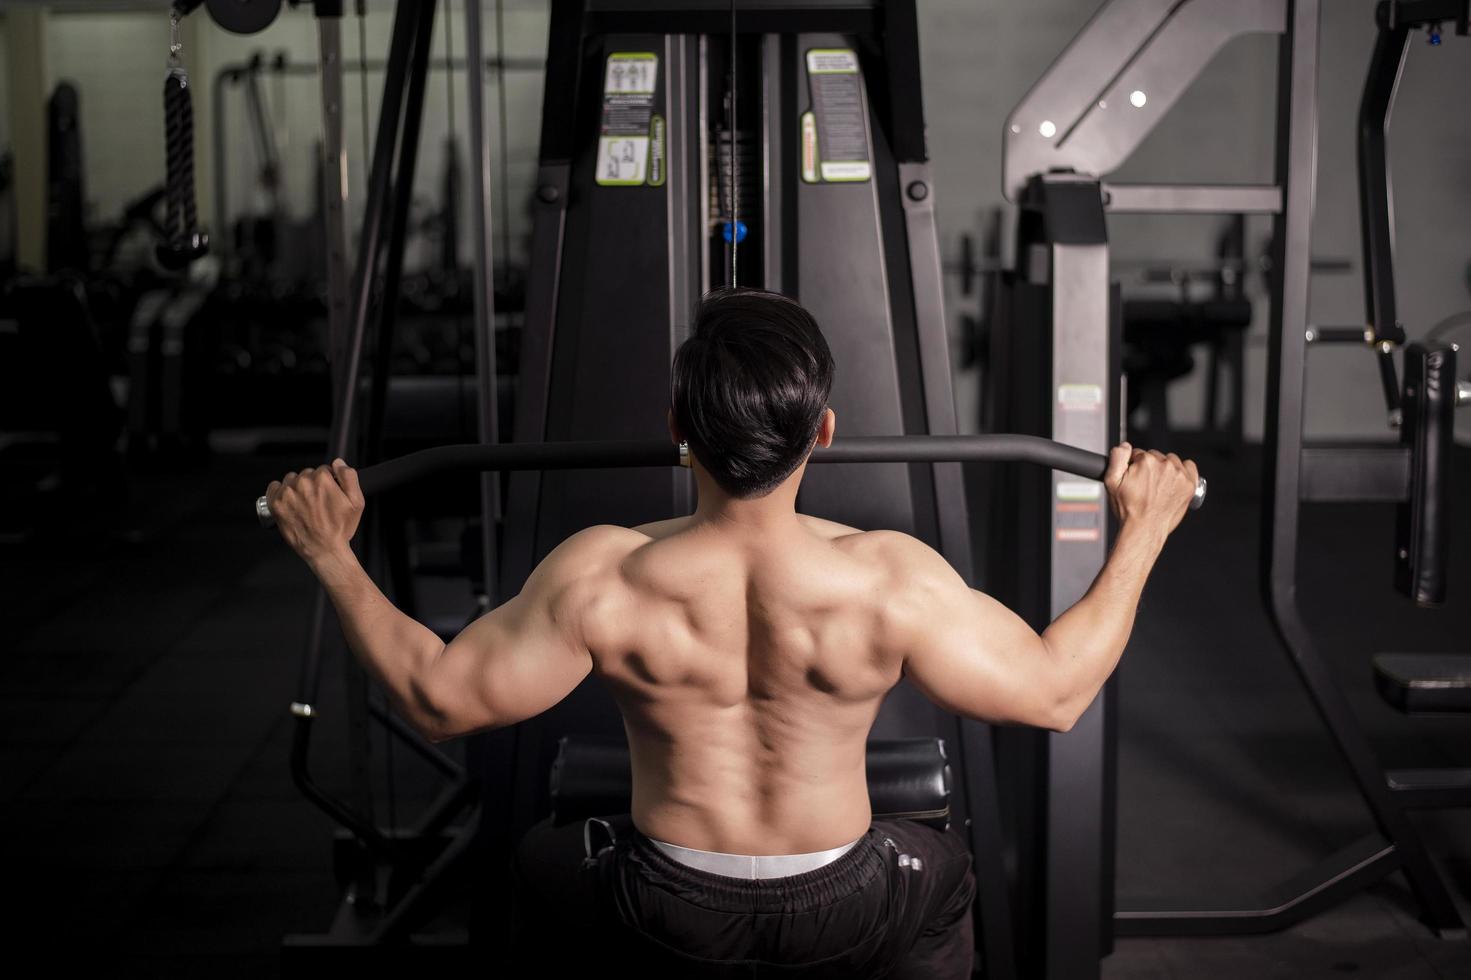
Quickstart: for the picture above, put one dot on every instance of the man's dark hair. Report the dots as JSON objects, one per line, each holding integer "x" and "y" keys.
{"x": 750, "y": 388}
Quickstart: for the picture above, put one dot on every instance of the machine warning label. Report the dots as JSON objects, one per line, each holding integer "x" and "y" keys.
{"x": 1080, "y": 398}
{"x": 1079, "y": 490}
{"x": 1077, "y": 514}
{"x": 629, "y": 124}
{"x": 809, "y": 148}
{"x": 657, "y": 151}
{"x": 841, "y": 127}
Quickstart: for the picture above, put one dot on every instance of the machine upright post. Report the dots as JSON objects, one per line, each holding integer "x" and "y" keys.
{"x": 1376, "y": 213}
{"x": 358, "y": 818}
{"x": 548, "y": 226}
{"x": 403, "y": 195}
{"x": 334, "y": 194}
{"x": 1080, "y": 392}
{"x": 483, "y": 230}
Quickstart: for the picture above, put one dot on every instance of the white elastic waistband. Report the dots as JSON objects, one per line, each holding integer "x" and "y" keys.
{"x": 752, "y": 865}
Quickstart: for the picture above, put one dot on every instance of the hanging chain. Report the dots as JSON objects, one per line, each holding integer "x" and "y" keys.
{"x": 175, "y": 64}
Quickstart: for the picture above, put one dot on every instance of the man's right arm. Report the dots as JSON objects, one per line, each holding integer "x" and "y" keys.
{"x": 973, "y": 656}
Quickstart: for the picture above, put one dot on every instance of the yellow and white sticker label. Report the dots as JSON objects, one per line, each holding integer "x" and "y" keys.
{"x": 631, "y": 73}
{"x": 839, "y": 118}
{"x": 841, "y": 170}
{"x": 630, "y": 81}
{"x": 622, "y": 159}
{"x": 832, "y": 61}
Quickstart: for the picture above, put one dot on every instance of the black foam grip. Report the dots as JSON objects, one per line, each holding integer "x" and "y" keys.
{"x": 907, "y": 778}
{"x": 1422, "y": 525}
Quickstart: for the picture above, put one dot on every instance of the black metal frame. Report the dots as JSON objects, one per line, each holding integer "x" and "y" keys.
{"x": 1057, "y": 325}
{"x": 1398, "y": 843}
{"x": 1295, "y": 473}
{"x": 1395, "y": 20}
{"x": 397, "y": 875}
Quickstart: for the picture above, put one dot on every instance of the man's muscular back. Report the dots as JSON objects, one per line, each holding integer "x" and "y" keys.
{"x": 749, "y": 668}
{"x": 749, "y": 661}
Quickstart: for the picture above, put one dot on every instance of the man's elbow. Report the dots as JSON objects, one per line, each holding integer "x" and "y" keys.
{"x": 432, "y": 726}
{"x": 1062, "y": 720}
{"x": 1064, "y": 713}
{"x": 437, "y": 730}
{"x": 428, "y": 715}
{"x": 1064, "y": 702}
{"x": 442, "y": 726}
{"x": 435, "y": 734}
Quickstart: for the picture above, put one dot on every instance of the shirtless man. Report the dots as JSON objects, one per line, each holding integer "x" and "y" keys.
{"x": 748, "y": 648}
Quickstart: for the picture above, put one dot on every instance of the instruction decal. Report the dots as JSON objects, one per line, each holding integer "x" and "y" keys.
{"x": 1078, "y": 510}
{"x": 837, "y": 140}
{"x": 658, "y": 151}
{"x": 809, "y": 147}
{"x": 1080, "y": 398}
{"x": 630, "y": 128}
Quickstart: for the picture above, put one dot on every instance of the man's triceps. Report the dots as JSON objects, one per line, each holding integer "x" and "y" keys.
{"x": 524, "y": 656}
{"x": 973, "y": 656}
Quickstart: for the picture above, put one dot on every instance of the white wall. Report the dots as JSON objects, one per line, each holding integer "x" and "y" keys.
{"x": 7, "y": 205}
{"x": 116, "y": 60}
{"x": 4, "y": 86}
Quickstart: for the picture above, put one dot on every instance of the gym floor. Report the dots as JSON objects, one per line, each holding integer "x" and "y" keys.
{"x": 151, "y": 822}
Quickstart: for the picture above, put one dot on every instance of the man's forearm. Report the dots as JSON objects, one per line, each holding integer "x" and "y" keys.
{"x": 1089, "y": 638}
{"x": 396, "y": 650}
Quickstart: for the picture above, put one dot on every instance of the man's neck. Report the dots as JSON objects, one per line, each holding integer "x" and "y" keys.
{"x": 774, "y": 512}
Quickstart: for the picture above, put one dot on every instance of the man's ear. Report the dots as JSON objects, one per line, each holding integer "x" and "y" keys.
{"x": 674, "y": 432}
{"x": 826, "y": 427}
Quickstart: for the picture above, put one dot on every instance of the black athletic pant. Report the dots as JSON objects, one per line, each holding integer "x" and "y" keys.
{"x": 896, "y": 905}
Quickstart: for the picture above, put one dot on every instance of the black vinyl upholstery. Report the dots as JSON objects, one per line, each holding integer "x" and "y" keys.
{"x": 1416, "y": 683}
{"x": 907, "y": 778}
{"x": 1421, "y": 525}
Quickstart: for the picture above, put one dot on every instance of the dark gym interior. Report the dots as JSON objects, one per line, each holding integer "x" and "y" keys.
{"x": 240, "y": 238}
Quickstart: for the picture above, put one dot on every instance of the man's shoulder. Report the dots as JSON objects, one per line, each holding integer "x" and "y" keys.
{"x": 592, "y": 551}
{"x": 658, "y": 530}
{"x": 893, "y": 549}
{"x": 870, "y": 544}
{"x": 915, "y": 575}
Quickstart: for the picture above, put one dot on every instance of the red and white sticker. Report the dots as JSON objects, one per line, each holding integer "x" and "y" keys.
{"x": 1077, "y": 514}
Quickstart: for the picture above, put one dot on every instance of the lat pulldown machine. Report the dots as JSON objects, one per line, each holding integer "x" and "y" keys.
{"x": 673, "y": 140}
{"x": 654, "y": 172}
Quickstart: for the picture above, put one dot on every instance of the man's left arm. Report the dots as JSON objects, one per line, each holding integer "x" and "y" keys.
{"x": 509, "y": 665}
